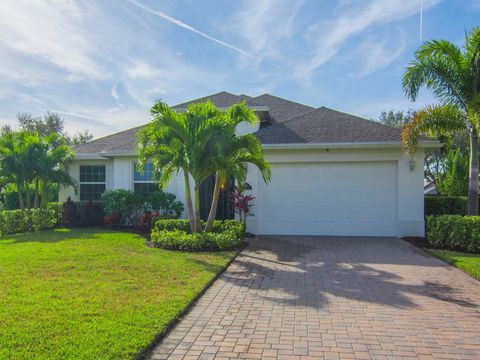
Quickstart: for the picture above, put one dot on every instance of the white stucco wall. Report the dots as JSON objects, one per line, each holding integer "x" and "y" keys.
{"x": 409, "y": 182}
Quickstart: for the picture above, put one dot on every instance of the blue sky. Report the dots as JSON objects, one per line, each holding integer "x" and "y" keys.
{"x": 102, "y": 63}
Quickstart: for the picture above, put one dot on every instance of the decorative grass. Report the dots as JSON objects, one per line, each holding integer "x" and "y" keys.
{"x": 93, "y": 293}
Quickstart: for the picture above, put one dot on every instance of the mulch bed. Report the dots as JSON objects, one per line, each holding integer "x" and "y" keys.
{"x": 417, "y": 241}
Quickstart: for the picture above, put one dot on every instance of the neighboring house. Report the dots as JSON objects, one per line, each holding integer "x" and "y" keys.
{"x": 332, "y": 173}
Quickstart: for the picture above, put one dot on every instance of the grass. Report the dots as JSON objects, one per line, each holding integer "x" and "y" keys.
{"x": 93, "y": 293}
{"x": 470, "y": 263}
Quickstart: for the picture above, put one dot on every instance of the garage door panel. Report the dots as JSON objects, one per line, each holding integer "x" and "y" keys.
{"x": 329, "y": 199}
{"x": 324, "y": 199}
{"x": 308, "y": 213}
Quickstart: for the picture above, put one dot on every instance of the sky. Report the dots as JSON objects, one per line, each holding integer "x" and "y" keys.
{"x": 102, "y": 64}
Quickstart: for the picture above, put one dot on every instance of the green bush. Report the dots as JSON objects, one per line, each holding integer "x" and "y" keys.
{"x": 17, "y": 221}
{"x": 165, "y": 203}
{"x": 131, "y": 206}
{"x": 176, "y": 235}
{"x": 123, "y": 202}
{"x": 445, "y": 205}
{"x": 454, "y": 232}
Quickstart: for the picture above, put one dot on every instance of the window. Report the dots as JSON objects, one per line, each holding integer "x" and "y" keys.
{"x": 143, "y": 182}
{"x": 92, "y": 182}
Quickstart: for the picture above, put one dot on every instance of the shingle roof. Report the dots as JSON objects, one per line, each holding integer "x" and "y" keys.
{"x": 281, "y": 109}
{"x": 291, "y": 123}
{"x": 325, "y": 125}
{"x": 124, "y": 139}
{"x": 222, "y": 99}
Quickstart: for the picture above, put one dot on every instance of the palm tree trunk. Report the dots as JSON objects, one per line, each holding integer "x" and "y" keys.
{"x": 36, "y": 197}
{"x": 213, "y": 209}
{"x": 188, "y": 194}
{"x": 198, "y": 224}
{"x": 473, "y": 178}
{"x": 27, "y": 195}
{"x": 20, "y": 196}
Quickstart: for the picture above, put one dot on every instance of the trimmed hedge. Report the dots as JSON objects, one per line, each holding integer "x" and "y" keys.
{"x": 17, "y": 221}
{"x": 454, "y": 232}
{"x": 175, "y": 235}
{"x": 445, "y": 205}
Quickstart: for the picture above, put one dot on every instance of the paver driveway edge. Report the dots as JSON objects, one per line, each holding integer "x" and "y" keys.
{"x": 147, "y": 352}
{"x": 292, "y": 297}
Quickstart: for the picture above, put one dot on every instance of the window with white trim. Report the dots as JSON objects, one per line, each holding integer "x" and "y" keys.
{"x": 143, "y": 181}
{"x": 92, "y": 182}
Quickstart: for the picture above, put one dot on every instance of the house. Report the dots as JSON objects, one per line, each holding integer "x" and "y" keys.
{"x": 332, "y": 173}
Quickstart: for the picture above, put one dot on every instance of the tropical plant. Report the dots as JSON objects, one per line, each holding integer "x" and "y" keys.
{"x": 232, "y": 153}
{"x": 33, "y": 163}
{"x": 177, "y": 142}
{"x": 453, "y": 75}
{"x": 242, "y": 204}
{"x": 454, "y": 180}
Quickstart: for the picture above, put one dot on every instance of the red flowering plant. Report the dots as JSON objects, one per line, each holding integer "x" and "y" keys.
{"x": 112, "y": 220}
{"x": 146, "y": 221}
{"x": 242, "y": 204}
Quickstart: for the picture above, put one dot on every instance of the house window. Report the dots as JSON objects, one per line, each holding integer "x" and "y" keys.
{"x": 92, "y": 182}
{"x": 143, "y": 182}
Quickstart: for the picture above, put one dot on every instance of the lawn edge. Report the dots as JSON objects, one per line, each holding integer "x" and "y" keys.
{"x": 147, "y": 351}
{"x": 427, "y": 250}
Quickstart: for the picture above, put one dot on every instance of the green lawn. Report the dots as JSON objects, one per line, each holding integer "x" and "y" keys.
{"x": 92, "y": 293}
{"x": 470, "y": 263}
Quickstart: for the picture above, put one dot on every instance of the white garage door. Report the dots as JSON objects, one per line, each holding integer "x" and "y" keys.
{"x": 329, "y": 199}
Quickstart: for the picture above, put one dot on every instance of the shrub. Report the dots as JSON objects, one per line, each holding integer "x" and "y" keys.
{"x": 112, "y": 220}
{"x": 445, "y": 205}
{"x": 176, "y": 235}
{"x": 164, "y": 203}
{"x": 92, "y": 213}
{"x": 454, "y": 232}
{"x": 69, "y": 213}
{"x": 125, "y": 203}
{"x": 17, "y": 221}
{"x": 9, "y": 198}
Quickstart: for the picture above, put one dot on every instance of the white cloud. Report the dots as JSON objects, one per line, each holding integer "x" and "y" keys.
{"x": 170, "y": 78}
{"x": 181, "y": 24}
{"x": 52, "y": 32}
{"x": 351, "y": 20}
{"x": 376, "y": 54}
{"x": 114, "y": 92}
{"x": 265, "y": 24}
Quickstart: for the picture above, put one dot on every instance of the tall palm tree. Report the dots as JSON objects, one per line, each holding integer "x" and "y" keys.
{"x": 177, "y": 141}
{"x": 453, "y": 75}
{"x": 232, "y": 153}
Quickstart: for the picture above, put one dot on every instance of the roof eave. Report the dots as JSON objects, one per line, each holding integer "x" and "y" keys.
{"x": 348, "y": 145}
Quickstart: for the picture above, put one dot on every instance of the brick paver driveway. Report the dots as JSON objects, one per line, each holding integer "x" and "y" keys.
{"x": 310, "y": 297}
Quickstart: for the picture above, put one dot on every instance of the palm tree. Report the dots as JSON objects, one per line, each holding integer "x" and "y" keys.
{"x": 233, "y": 153}
{"x": 178, "y": 141}
{"x": 51, "y": 167}
{"x": 453, "y": 75}
{"x": 31, "y": 160}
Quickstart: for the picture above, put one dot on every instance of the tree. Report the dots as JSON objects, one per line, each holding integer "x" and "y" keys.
{"x": 453, "y": 76}
{"x": 29, "y": 161}
{"x": 454, "y": 179}
{"x": 178, "y": 141}
{"x": 51, "y": 123}
{"x": 81, "y": 137}
{"x": 396, "y": 119}
{"x": 232, "y": 153}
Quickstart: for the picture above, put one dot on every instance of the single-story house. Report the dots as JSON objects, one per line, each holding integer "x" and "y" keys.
{"x": 332, "y": 173}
